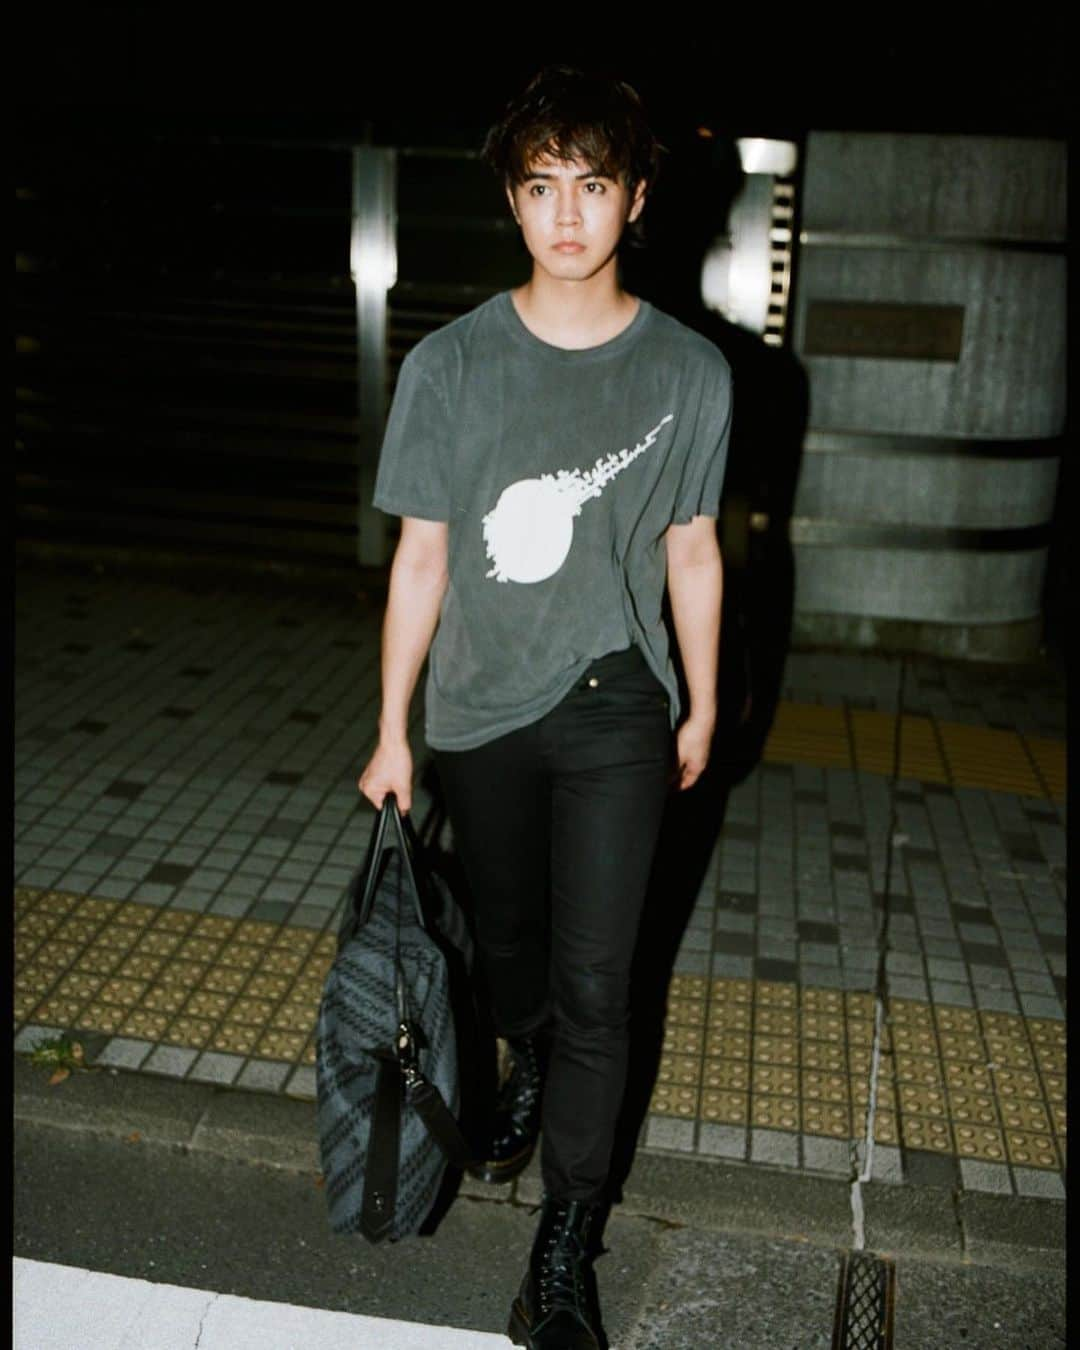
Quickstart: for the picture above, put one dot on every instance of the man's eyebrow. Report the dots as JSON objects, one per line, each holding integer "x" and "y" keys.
{"x": 592, "y": 173}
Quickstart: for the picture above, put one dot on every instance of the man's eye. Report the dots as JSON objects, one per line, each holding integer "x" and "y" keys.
{"x": 594, "y": 188}
{"x": 537, "y": 189}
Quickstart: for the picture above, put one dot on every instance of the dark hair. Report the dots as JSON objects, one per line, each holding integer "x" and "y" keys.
{"x": 575, "y": 114}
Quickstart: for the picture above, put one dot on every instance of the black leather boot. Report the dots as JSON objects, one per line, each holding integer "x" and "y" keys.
{"x": 517, "y": 1111}
{"x": 556, "y": 1307}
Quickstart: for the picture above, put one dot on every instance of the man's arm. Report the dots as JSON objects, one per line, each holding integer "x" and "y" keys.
{"x": 695, "y": 582}
{"x": 418, "y": 580}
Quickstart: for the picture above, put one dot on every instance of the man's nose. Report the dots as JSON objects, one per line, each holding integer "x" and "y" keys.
{"x": 569, "y": 212}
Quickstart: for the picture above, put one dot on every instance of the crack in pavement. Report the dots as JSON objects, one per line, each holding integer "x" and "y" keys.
{"x": 202, "y": 1319}
{"x": 894, "y": 840}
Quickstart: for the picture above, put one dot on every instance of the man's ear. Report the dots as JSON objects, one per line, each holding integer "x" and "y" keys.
{"x": 637, "y": 204}
{"x": 510, "y": 198}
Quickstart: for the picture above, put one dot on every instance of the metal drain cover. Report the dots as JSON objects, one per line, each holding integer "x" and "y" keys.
{"x": 865, "y": 1298}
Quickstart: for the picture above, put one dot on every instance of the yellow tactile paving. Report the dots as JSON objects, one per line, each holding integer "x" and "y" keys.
{"x": 1048, "y": 757}
{"x": 979, "y": 1084}
{"x": 185, "y": 979}
{"x": 806, "y": 733}
{"x": 983, "y": 757}
{"x": 874, "y": 747}
{"x": 927, "y": 750}
{"x": 950, "y": 1080}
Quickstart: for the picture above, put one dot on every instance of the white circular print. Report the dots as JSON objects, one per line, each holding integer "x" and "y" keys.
{"x": 529, "y": 533}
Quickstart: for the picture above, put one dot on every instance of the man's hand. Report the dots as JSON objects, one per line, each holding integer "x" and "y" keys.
{"x": 390, "y": 769}
{"x": 692, "y": 743}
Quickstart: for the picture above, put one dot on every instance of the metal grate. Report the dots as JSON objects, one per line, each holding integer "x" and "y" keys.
{"x": 864, "y": 1303}
{"x": 781, "y": 241}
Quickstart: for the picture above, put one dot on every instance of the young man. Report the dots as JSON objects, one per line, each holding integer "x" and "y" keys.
{"x": 556, "y": 457}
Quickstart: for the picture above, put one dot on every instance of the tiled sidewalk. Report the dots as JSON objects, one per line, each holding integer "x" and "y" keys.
{"x": 186, "y": 820}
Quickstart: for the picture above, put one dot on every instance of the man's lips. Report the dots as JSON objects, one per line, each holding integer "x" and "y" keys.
{"x": 569, "y": 246}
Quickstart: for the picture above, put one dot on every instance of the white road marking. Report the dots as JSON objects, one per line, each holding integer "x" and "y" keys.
{"x": 67, "y": 1308}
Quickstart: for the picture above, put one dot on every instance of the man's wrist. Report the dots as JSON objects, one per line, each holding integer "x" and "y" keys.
{"x": 703, "y": 716}
{"x": 393, "y": 735}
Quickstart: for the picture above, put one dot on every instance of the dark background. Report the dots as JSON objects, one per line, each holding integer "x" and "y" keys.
{"x": 185, "y": 163}
{"x": 314, "y": 71}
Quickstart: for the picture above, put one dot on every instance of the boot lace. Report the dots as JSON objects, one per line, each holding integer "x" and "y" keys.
{"x": 560, "y": 1276}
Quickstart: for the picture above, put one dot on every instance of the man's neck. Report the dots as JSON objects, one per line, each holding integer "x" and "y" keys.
{"x": 574, "y": 314}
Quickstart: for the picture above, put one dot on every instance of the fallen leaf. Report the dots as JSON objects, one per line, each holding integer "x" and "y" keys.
{"x": 59, "y": 1076}
{"x": 133, "y": 1137}
{"x": 320, "y": 1181}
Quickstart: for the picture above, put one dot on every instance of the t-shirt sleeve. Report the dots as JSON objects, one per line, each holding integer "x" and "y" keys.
{"x": 703, "y": 473}
{"x": 413, "y": 477}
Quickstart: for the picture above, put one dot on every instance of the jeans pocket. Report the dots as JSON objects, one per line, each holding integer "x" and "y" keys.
{"x": 638, "y": 684}
{"x": 633, "y": 698}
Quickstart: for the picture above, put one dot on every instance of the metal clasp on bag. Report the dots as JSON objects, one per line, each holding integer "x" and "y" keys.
{"x": 405, "y": 1046}
{"x": 405, "y": 1041}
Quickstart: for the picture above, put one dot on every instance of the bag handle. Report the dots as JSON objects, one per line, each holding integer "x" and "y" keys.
{"x": 429, "y": 831}
{"x": 390, "y": 822}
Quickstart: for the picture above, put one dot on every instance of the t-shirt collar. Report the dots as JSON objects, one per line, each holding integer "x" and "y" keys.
{"x": 516, "y": 328}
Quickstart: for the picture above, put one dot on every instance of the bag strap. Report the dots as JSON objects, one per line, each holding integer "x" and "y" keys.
{"x": 439, "y": 1122}
{"x": 430, "y": 831}
{"x": 427, "y": 1100}
{"x": 379, "y": 1202}
{"x": 381, "y": 1164}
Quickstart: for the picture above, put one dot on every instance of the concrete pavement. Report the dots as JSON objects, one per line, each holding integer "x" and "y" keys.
{"x": 216, "y": 1190}
{"x": 858, "y": 1034}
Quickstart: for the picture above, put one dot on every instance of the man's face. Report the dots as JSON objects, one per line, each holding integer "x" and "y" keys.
{"x": 571, "y": 218}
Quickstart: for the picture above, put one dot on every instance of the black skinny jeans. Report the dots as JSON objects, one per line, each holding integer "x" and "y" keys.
{"x": 556, "y": 825}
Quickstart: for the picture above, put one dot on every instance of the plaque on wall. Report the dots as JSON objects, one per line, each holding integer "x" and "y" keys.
{"x": 870, "y": 328}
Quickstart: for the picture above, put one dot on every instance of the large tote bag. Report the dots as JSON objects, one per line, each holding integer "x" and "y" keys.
{"x": 387, "y": 1068}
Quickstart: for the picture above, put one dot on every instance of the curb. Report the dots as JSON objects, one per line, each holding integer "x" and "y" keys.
{"x": 270, "y": 1130}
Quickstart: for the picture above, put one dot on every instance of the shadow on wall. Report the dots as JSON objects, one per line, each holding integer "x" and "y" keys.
{"x": 689, "y": 208}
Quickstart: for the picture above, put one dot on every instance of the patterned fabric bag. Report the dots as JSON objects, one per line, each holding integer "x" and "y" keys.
{"x": 387, "y": 1060}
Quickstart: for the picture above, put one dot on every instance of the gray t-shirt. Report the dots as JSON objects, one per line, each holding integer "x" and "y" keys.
{"x": 558, "y": 472}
